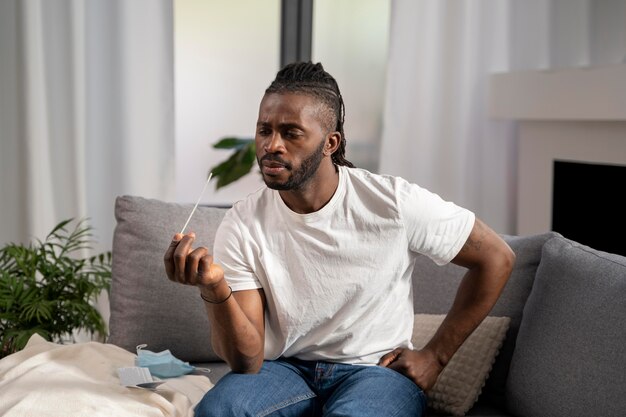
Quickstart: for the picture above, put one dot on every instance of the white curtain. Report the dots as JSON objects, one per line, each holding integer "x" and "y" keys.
{"x": 86, "y": 111}
{"x": 436, "y": 130}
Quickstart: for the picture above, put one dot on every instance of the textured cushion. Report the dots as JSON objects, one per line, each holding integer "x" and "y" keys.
{"x": 570, "y": 357}
{"x": 461, "y": 381}
{"x": 145, "y": 306}
{"x": 434, "y": 288}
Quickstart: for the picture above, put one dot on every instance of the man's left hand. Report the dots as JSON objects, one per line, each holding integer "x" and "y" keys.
{"x": 420, "y": 366}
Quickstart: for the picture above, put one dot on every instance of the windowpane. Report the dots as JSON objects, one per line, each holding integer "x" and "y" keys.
{"x": 350, "y": 38}
{"x": 226, "y": 54}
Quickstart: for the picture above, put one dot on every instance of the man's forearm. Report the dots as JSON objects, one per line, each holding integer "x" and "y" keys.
{"x": 477, "y": 294}
{"x": 234, "y": 337}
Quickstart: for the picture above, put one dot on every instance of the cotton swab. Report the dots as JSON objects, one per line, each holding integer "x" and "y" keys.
{"x": 197, "y": 202}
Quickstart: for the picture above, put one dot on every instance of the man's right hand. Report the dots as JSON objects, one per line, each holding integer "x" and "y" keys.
{"x": 191, "y": 267}
{"x": 237, "y": 322}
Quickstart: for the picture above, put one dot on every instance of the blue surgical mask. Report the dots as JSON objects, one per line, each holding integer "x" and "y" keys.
{"x": 162, "y": 364}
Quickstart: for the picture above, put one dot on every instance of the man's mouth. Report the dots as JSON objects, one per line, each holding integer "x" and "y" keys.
{"x": 272, "y": 166}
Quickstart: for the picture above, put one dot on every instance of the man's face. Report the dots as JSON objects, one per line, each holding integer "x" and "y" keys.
{"x": 290, "y": 140}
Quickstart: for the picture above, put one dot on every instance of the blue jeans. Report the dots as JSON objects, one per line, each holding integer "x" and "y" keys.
{"x": 292, "y": 387}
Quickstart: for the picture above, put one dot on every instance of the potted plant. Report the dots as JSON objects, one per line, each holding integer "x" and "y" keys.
{"x": 49, "y": 289}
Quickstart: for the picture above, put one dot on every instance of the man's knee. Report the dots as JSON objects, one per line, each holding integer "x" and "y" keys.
{"x": 213, "y": 404}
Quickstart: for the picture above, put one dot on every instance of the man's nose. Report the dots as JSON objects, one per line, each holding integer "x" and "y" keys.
{"x": 274, "y": 143}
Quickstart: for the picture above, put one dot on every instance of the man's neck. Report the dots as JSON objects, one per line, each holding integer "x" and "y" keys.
{"x": 316, "y": 193}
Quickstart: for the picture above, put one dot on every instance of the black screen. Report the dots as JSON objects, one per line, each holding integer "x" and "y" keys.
{"x": 588, "y": 204}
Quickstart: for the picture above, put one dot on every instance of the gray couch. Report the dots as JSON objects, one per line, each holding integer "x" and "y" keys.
{"x": 565, "y": 349}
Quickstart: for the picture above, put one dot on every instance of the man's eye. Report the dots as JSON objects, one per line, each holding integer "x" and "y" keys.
{"x": 291, "y": 134}
{"x": 263, "y": 132}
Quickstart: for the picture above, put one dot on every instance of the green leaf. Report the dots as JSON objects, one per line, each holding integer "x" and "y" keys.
{"x": 236, "y": 166}
{"x": 59, "y": 227}
{"x": 38, "y": 310}
{"x": 232, "y": 143}
{"x": 221, "y": 168}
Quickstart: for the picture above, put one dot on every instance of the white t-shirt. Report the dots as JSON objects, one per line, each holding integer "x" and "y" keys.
{"x": 338, "y": 281}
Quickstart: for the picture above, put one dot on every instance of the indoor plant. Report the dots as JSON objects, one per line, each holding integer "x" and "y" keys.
{"x": 48, "y": 288}
{"x": 238, "y": 164}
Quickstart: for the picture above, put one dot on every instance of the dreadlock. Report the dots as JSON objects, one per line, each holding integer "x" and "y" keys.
{"x": 311, "y": 79}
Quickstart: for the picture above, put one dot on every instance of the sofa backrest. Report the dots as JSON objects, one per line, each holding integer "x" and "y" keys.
{"x": 145, "y": 306}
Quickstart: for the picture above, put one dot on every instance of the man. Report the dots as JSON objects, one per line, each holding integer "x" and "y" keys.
{"x": 309, "y": 297}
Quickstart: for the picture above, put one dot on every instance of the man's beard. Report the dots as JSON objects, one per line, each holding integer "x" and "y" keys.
{"x": 298, "y": 177}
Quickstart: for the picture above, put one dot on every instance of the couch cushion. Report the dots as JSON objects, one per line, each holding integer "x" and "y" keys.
{"x": 570, "y": 356}
{"x": 434, "y": 288}
{"x": 461, "y": 381}
{"x": 145, "y": 306}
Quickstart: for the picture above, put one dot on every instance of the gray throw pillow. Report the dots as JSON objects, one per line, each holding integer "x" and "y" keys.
{"x": 570, "y": 355}
{"x": 145, "y": 306}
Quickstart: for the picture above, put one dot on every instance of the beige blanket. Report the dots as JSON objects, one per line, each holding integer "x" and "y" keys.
{"x": 47, "y": 379}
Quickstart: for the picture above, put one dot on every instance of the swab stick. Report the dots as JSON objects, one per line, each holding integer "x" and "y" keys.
{"x": 197, "y": 202}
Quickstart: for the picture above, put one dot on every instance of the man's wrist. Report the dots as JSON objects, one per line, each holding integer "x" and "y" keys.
{"x": 438, "y": 356}
{"x": 217, "y": 293}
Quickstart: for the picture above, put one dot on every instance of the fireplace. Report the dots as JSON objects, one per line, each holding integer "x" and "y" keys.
{"x": 588, "y": 204}
{"x": 572, "y": 128}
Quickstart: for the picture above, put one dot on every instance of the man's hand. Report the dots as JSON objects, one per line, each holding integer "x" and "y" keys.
{"x": 237, "y": 322}
{"x": 420, "y": 366}
{"x": 191, "y": 267}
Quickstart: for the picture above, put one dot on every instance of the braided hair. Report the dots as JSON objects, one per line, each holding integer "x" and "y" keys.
{"x": 311, "y": 79}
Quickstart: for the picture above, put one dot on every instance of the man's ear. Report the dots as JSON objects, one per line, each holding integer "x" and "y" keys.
{"x": 332, "y": 143}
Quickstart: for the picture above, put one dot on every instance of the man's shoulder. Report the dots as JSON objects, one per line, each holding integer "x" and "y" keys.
{"x": 369, "y": 176}
{"x": 360, "y": 178}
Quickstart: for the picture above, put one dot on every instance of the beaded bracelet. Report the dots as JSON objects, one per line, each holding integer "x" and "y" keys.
{"x": 217, "y": 302}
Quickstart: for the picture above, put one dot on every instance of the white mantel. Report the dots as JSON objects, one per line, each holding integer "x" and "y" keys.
{"x": 575, "y": 114}
{"x": 595, "y": 93}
